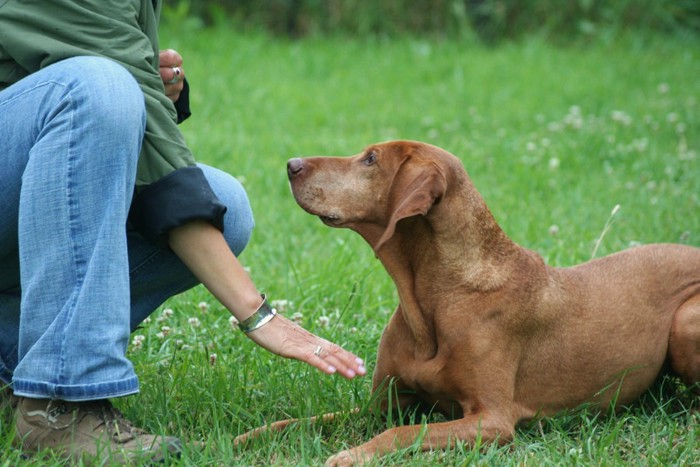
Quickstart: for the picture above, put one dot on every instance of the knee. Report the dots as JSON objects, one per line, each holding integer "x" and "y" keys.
{"x": 107, "y": 92}
{"x": 238, "y": 220}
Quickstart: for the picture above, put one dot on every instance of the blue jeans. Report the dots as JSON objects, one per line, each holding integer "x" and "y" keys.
{"x": 74, "y": 279}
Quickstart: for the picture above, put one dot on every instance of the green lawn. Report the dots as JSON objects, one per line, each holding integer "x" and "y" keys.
{"x": 554, "y": 138}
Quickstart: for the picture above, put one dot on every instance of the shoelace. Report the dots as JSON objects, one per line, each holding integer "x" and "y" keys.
{"x": 119, "y": 428}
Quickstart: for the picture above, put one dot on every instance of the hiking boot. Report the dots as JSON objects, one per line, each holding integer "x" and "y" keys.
{"x": 88, "y": 431}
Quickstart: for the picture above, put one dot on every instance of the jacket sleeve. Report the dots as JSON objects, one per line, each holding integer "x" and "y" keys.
{"x": 181, "y": 196}
{"x": 182, "y": 105}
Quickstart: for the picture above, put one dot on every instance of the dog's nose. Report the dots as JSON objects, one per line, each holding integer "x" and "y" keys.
{"x": 294, "y": 166}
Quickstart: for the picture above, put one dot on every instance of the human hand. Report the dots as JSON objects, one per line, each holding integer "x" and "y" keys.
{"x": 287, "y": 339}
{"x": 172, "y": 73}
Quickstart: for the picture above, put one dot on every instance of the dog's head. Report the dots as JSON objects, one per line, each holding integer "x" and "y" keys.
{"x": 371, "y": 191}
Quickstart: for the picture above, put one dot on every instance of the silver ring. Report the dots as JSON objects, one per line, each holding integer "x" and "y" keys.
{"x": 317, "y": 351}
{"x": 176, "y": 75}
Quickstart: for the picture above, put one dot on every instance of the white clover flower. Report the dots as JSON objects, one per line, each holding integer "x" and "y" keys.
{"x": 574, "y": 120}
{"x": 554, "y": 126}
{"x": 165, "y": 314}
{"x": 233, "y": 322}
{"x": 621, "y": 117}
{"x": 554, "y": 163}
{"x": 324, "y": 321}
{"x": 530, "y": 146}
{"x": 147, "y": 320}
{"x": 165, "y": 330}
{"x": 212, "y": 359}
{"x": 297, "y": 317}
{"x": 203, "y": 307}
{"x": 160, "y": 335}
{"x": 194, "y": 322}
{"x": 663, "y": 88}
{"x": 137, "y": 341}
{"x": 553, "y": 230}
{"x": 641, "y": 144}
{"x": 281, "y": 305}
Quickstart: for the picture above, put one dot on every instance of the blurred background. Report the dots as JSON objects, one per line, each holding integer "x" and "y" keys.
{"x": 489, "y": 20}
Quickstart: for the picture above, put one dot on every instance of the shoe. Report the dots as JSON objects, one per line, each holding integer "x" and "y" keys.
{"x": 87, "y": 431}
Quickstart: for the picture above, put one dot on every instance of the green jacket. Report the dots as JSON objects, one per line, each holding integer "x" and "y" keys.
{"x": 37, "y": 33}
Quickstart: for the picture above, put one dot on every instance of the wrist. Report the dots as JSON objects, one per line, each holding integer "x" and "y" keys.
{"x": 259, "y": 318}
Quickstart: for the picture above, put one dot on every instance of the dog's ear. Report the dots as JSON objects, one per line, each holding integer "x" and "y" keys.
{"x": 413, "y": 192}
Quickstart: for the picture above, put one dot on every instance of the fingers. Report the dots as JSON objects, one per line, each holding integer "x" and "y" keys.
{"x": 169, "y": 58}
{"x": 288, "y": 339}
{"x": 331, "y": 358}
{"x": 171, "y": 73}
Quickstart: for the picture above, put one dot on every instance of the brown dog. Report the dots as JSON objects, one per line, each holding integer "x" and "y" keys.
{"x": 484, "y": 330}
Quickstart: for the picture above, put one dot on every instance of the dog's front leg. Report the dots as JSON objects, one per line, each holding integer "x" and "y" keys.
{"x": 431, "y": 436}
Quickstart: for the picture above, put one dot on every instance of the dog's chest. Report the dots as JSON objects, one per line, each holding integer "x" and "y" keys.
{"x": 430, "y": 381}
{"x": 429, "y": 378}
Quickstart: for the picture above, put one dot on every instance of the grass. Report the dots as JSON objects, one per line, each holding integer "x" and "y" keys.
{"x": 554, "y": 139}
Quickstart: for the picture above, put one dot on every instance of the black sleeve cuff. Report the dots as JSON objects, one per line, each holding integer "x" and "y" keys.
{"x": 180, "y": 197}
{"x": 182, "y": 104}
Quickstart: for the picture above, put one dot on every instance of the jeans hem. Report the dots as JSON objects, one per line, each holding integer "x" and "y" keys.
{"x": 75, "y": 393}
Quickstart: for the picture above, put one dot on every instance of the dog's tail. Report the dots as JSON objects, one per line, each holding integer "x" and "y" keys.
{"x": 256, "y": 433}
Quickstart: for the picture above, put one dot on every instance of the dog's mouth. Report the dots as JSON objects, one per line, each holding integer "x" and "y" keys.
{"x": 327, "y": 215}
{"x": 331, "y": 220}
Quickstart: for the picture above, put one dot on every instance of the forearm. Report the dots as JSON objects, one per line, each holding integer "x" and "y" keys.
{"x": 203, "y": 249}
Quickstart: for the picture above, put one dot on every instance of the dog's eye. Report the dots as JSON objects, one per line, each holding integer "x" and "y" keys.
{"x": 370, "y": 159}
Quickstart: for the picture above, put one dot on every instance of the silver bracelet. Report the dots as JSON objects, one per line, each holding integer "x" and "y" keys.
{"x": 261, "y": 317}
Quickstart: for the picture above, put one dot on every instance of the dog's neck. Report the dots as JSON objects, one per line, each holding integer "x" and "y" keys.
{"x": 473, "y": 254}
